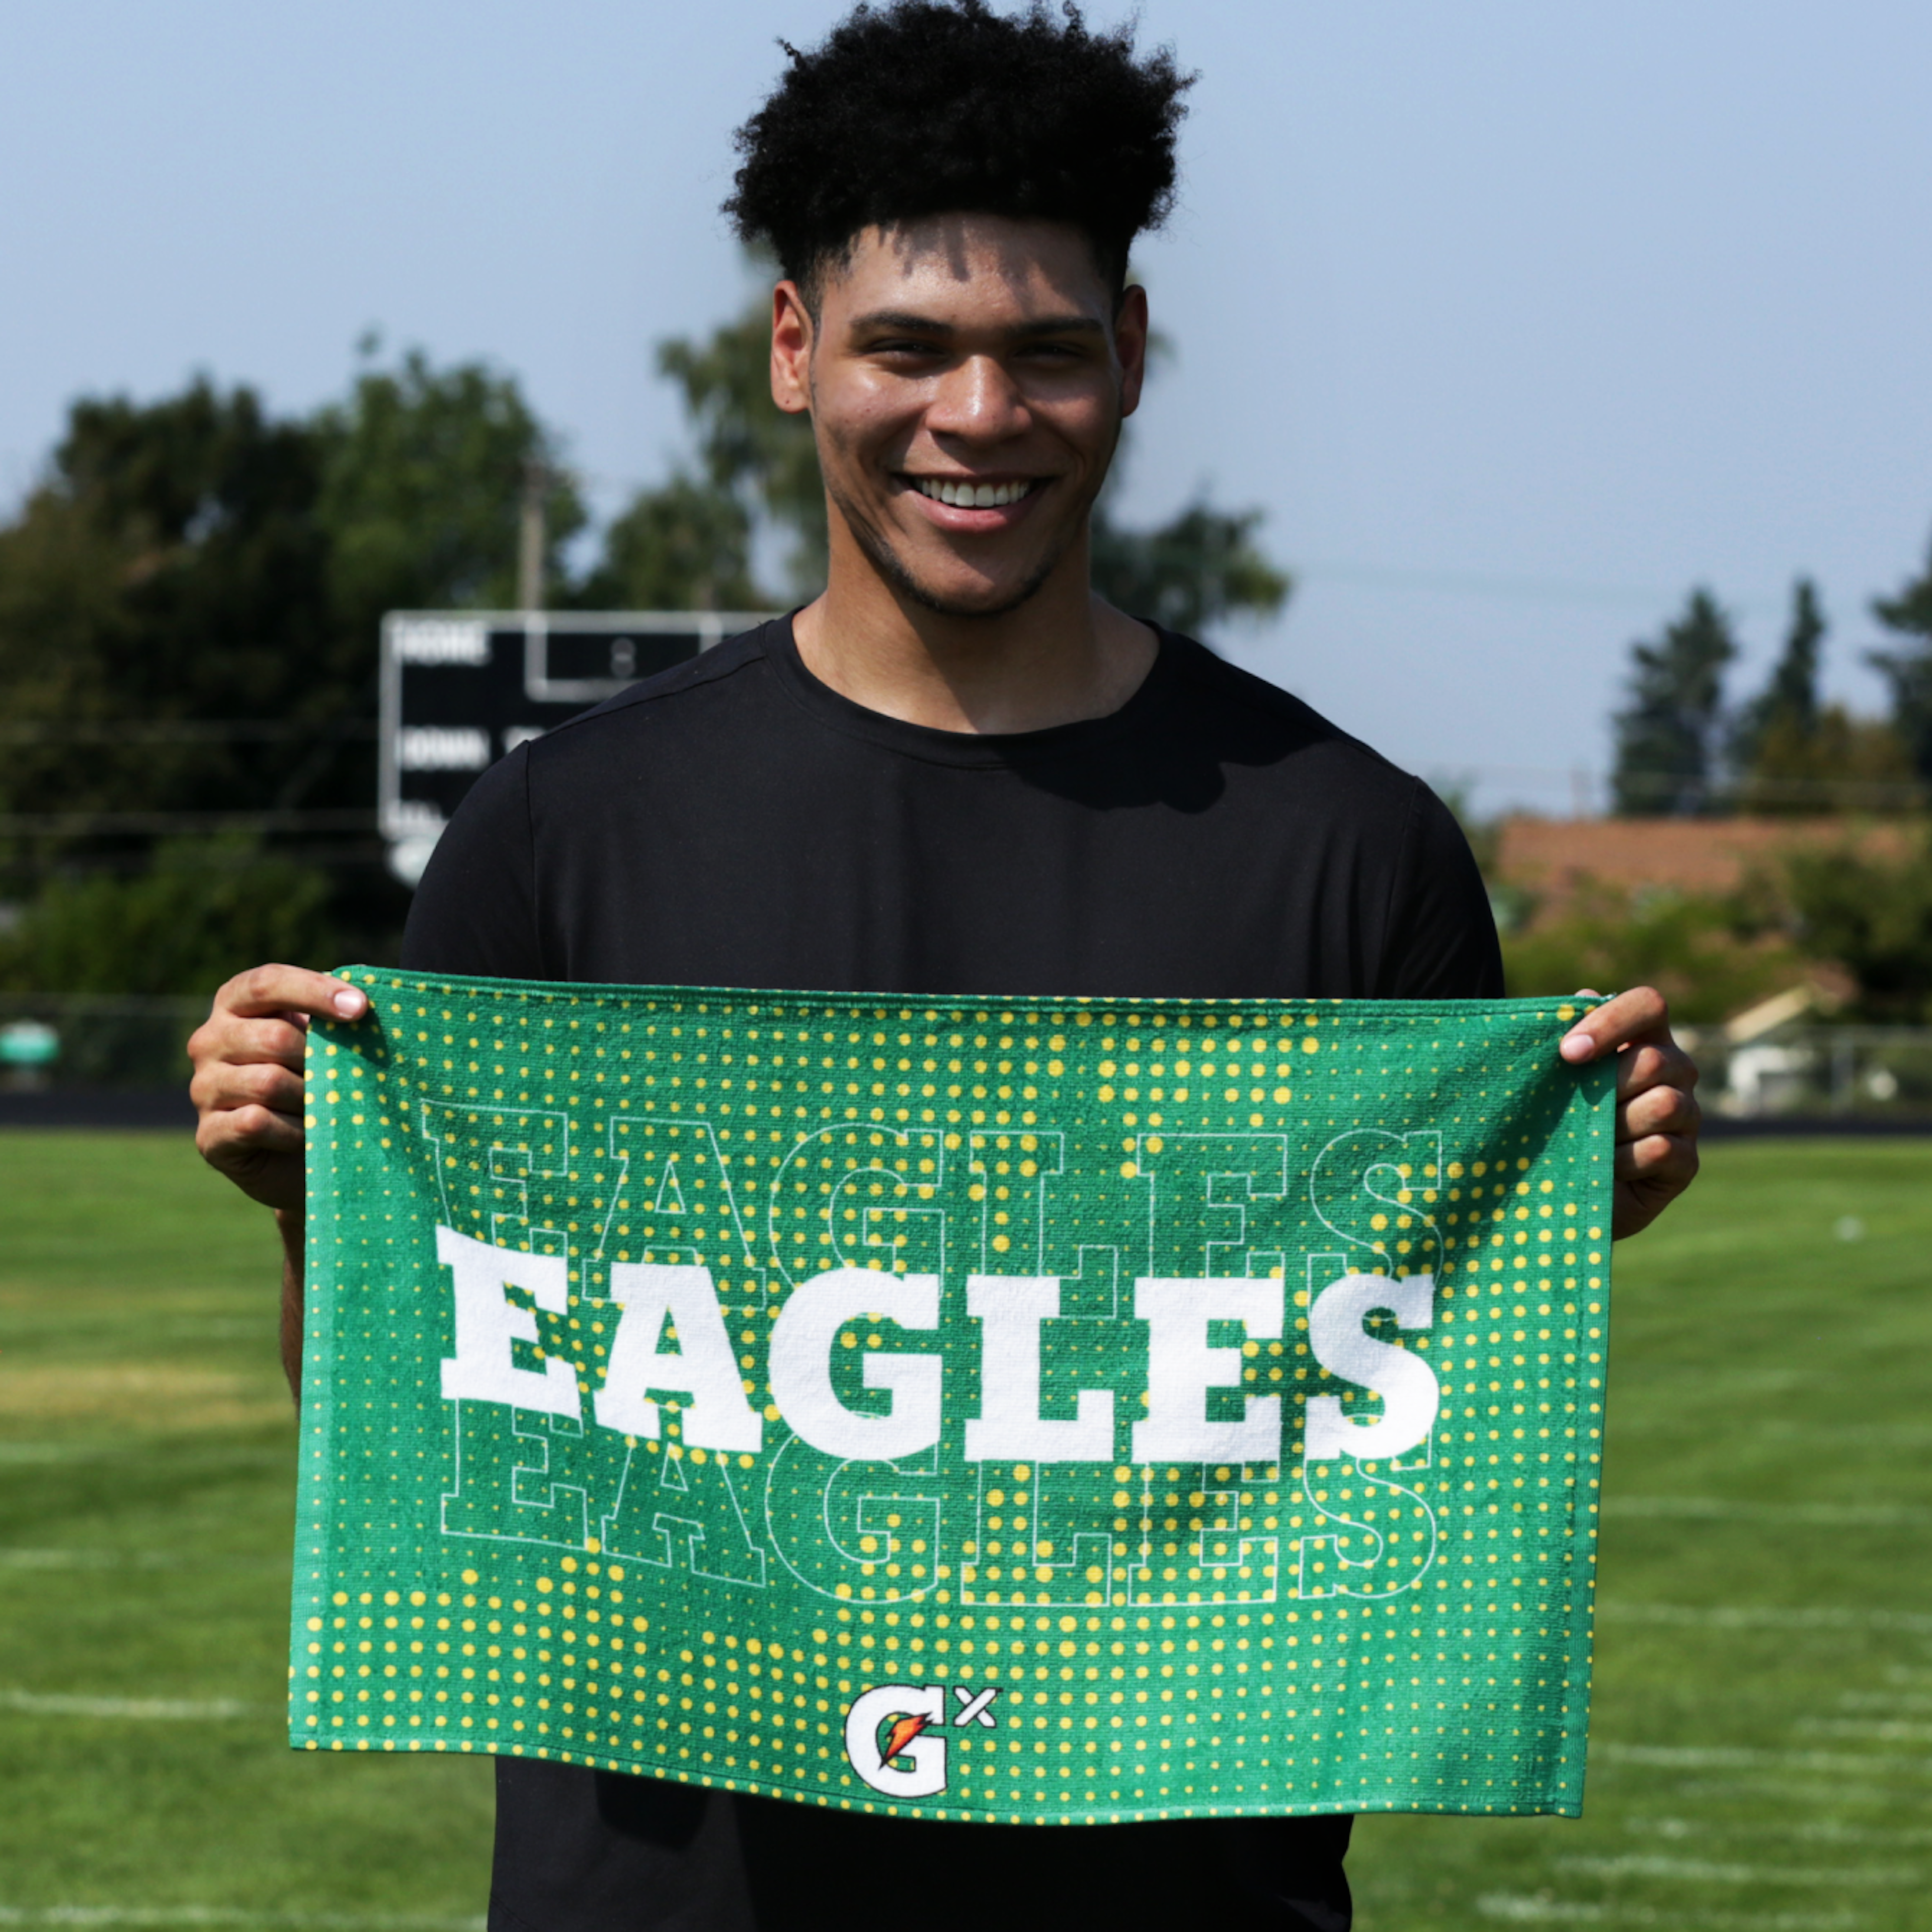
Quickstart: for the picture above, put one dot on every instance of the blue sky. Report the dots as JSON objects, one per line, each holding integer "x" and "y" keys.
{"x": 1517, "y": 320}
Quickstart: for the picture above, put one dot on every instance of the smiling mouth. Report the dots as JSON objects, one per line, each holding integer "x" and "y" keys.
{"x": 963, "y": 495}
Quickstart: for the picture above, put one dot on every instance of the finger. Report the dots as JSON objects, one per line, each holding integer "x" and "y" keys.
{"x": 264, "y": 990}
{"x": 1657, "y": 1159}
{"x": 246, "y": 1042}
{"x": 1651, "y": 1173}
{"x": 218, "y": 1087}
{"x": 1653, "y": 1066}
{"x": 1642, "y": 1013}
{"x": 238, "y": 1133}
{"x": 1659, "y": 1110}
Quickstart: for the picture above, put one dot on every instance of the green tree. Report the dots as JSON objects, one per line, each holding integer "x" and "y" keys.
{"x": 170, "y": 566}
{"x": 1793, "y": 755}
{"x": 100, "y": 932}
{"x": 1908, "y": 671}
{"x": 1841, "y": 763}
{"x": 422, "y": 485}
{"x": 751, "y": 451}
{"x": 1667, "y": 736}
{"x": 1789, "y": 703}
{"x": 190, "y": 603}
{"x": 685, "y": 545}
{"x": 194, "y": 558}
{"x": 1711, "y": 956}
{"x": 1873, "y": 914}
{"x": 1190, "y": 572}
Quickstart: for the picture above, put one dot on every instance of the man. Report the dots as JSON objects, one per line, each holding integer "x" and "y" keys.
{"x": 956, "y": 772}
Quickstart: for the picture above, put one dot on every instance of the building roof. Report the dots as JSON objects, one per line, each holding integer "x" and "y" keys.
{"x": 1551, "y": 857}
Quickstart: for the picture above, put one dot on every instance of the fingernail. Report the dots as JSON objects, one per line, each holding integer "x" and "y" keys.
{"x": 1577, "y": 1046}
{"x": 349, "y": 1002}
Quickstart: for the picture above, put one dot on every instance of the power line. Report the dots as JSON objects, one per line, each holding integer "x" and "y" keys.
{"x": 1730, "y": 795}
{"x": 205, "y": 853}
{"x": 189, "y": 731}
{"x": 1515, "y": 589}
{"x": 161, "y": 824}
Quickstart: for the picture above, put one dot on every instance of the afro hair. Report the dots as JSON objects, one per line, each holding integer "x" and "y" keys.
{"x": 921, "y": 107}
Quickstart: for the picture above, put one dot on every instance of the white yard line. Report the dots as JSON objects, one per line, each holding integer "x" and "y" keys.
{"x": 66, "y": 1452}
{"x": 130, "y": 1559}
{"x": 1890, "y": 1731}
{"x": 51, "y": 1704}
{"x": 168, "y": 1915}
{"x": 1817, "y": 1831}
{"x": 1815, "y": 1430}
{"x": 1738, "y": 1757}
{"x": 70, "y": 1559}
{"x": 1710, "y": 1871}
{"x": 1720, "y": 1509}
{"x": 1913, "y": 1702}
{"x": 1748, "y": 1616}
{"x": 1815, "y": 1797}
{"x": 1539, "y": 1911}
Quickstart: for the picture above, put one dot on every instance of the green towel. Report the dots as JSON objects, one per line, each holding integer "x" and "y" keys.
{"x": 1051, "y": 1411}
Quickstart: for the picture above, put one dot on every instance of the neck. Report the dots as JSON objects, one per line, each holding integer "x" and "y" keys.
{"x": 1064, "y": 655}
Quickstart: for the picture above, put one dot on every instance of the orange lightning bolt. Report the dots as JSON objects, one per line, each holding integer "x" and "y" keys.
{"x": 905, "y": 1729}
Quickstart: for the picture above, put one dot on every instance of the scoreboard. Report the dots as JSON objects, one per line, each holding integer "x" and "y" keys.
{"x": 459, "y": 689}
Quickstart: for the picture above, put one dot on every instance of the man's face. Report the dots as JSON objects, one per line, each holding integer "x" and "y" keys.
{"x": 967, "y": 376}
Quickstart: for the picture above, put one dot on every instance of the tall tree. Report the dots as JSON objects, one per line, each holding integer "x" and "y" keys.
{"x": 1667, "y": 737}
{"x": 751, "y": 451}
{"x": 1788, "y": 705}
{"x": 1793, "y": 753}
{"x": 684, "y": 545}
{"x": 170, "y": 567}
{"x": 1202, "y": 565}
{"x": 1871, "y": 911}
{"x": 95, "y": 931}
{"x": 1908, "y": 671}
{"x": 189, "y": 611}
{"x": 422, "y": 477}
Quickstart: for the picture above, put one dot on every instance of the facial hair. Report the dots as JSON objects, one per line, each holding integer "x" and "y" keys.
{"x": 890, "y": 565}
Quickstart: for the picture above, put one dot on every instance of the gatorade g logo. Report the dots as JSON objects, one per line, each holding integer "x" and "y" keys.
{"x": 890, "y": 1737}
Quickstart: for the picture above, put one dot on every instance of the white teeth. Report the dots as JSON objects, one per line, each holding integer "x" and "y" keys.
{"x": 971, "y": 496}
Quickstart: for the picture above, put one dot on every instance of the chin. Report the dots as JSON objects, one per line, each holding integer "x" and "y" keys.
{"x": 971, "y": 598}
{"x": 994, "y": 600}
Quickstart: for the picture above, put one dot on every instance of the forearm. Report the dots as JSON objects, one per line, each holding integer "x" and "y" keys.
{"x": 289, "y": 1224}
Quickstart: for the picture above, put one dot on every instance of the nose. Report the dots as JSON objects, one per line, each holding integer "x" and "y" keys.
{"x": 977, "y": 400}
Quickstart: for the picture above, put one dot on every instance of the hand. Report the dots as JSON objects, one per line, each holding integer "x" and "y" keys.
{"x": 1658, "y": 1113}
{"x": 247, "y": 1084}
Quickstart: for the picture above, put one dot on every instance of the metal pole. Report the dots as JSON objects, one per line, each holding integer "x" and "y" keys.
{"x": 530, "y": 537}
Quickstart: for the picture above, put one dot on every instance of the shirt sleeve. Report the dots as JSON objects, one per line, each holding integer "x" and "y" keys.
{"x": 1441, "y": 942}
{"x": 475, "y": 911}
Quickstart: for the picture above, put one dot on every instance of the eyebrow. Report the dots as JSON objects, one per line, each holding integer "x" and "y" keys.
{"x": 877, "y": 320}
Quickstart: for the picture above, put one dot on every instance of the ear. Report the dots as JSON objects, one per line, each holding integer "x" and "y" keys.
{"x": 1130, "y": 345}
{"x": 791, "y": 349}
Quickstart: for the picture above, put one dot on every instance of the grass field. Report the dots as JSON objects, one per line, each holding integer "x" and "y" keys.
{"x": 1762, "y": 1750}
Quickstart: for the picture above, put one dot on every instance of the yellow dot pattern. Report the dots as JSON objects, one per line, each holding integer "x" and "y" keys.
{"x": 1164, "y": 1639}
